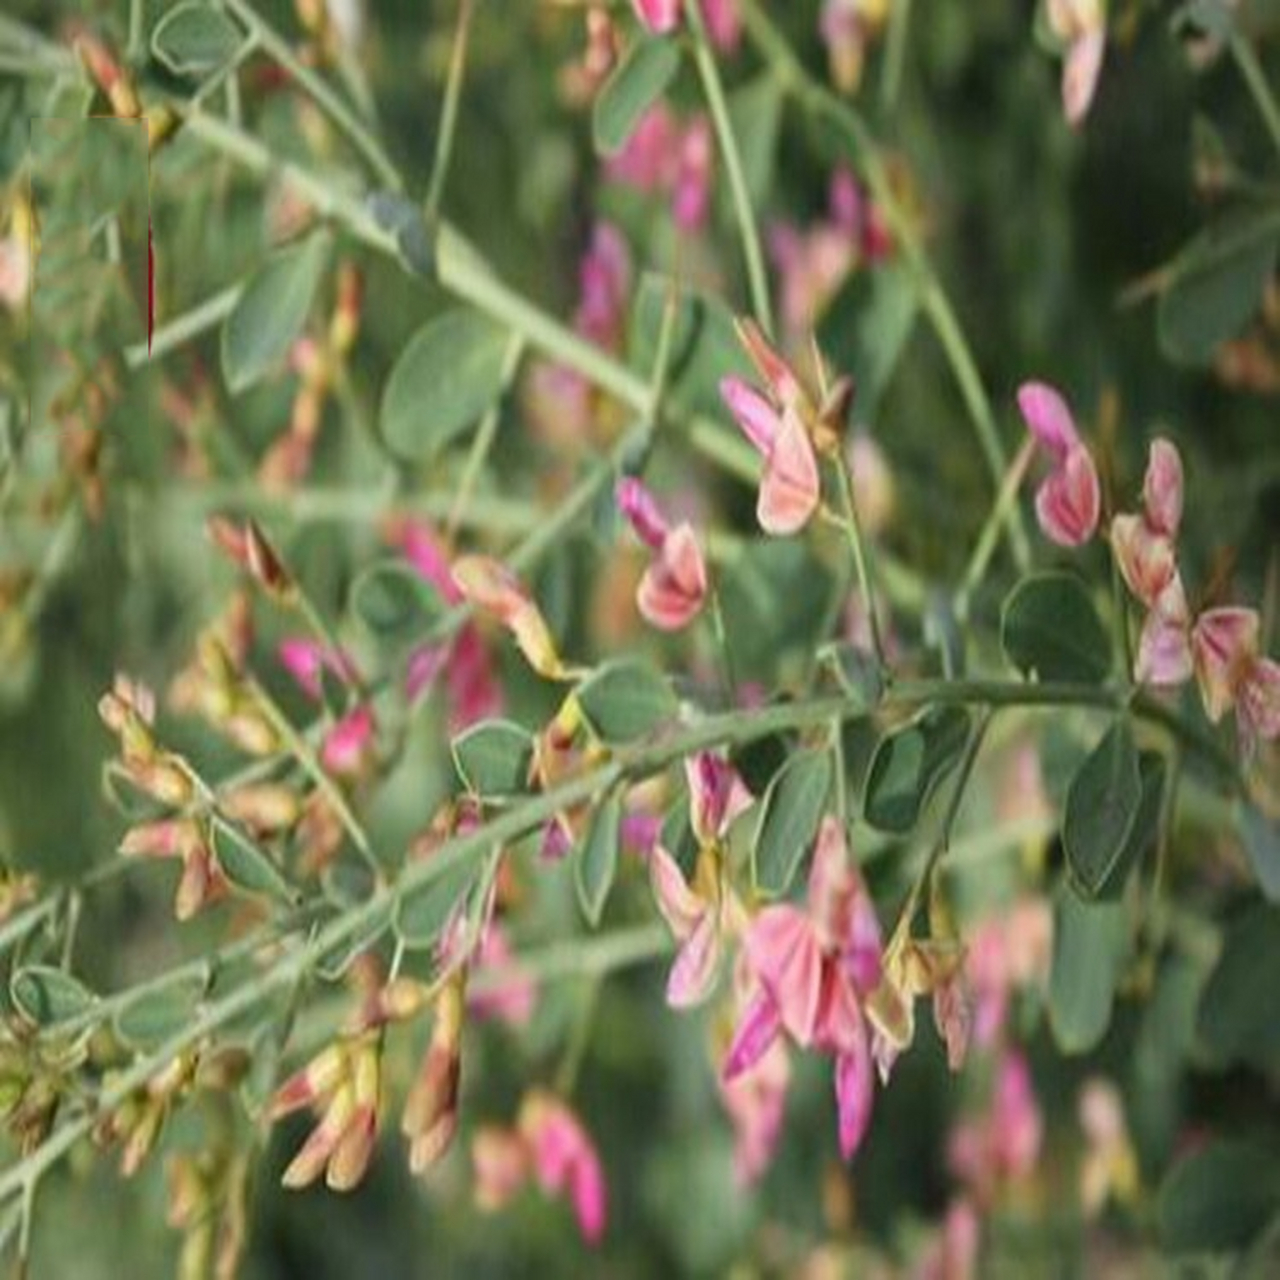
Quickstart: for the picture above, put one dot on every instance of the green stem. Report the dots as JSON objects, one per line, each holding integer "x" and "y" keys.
{"x": 985, "y": 547}
{"x": 137, "y": 29}
{"x": 449, "y": 111}
{"x": 709, "y": 73}
{"x": 280, "y": 51}
{"x": 853, "y": 532}
{"x": 485, "y": 436}
{"x": 1250, "y": 68}
{"x": 182, "y": 328}
{"x": 895, "y": 54}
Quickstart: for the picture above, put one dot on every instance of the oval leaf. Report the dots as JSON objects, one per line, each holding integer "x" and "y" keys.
{"x": 493, "y": 757}
{"x": 47, "y": 996}
{"x": 195, "y": 39}
{"x": 1049, "y": 628}
{"x": 1101, "y": 809}
{"x": 151, "y": 1017}
{"x": 626, "y": 700}
{"x": 246, "y": 866}
{"x": 270, "y": 312}
{"x": 909, "y": 763}
{"x": 421, "y": 917}
{"x": 635, "y": 85}
{"x": 1220, "y": 1197}
{"x": 1216, "y": 283}
{"x": 394, "y": 601}
{"x": 596, "y": 859}
{"x": 1239, "y": 1016}
{"x": 789, "y": 816}
{"x": 1090, "y": 946}
{"x": 451, "y": 371}
{"x": 1261, "y": 839}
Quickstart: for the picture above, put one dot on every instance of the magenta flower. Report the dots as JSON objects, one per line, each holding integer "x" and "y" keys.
{"x": 723, "y": 23}
{"x": 774, "y": 421}
{"x": 674, "y": 587}
{"x": 564, "y": 1160}
{"x": 348, "y": 747}
{"x": 660, "y": 16}
{"x": 307, "y": 661}
{"x": 815, "y": 968}
{"x": 1069, "y": 500}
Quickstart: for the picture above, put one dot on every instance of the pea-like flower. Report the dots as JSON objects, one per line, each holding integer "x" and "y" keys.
{"x": 775, "y": 421}
{"x": 1082, "y": 26}
{"x": 674, "y": 586}
{"x": 816, "y": 967}
{"x": 495, "y": 590}
{"x": 1069, "y": 500}
{"x": 1232, "y": 673}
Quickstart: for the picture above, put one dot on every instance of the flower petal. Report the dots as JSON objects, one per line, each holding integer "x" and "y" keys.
{"x": 1069, "y": 500}
{"x": 789, "y": 488}
{"x": 1080, "y": 74}
{"x": 758, "y": 419}
{"x": 681, "y": 908}
{"x": 694, "y": 972}
{"x": 855, "y": 1090}
{"x": 784, "y": 952}
{"x": 1048, "y": 418}
{"x": 1162, "y": 488}
{"x": 757, "y": 1031}
{"x": 1224, "y": 642}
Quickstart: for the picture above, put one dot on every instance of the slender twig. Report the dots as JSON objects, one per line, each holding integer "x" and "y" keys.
{"x": 853, "y": 532}
{"x": 278, "y": 48}
{"x": 727, "y": 142}
{"x": 984, "y": 548}
{"x": 895, "y": 54}
{"x": 449, "y": 110}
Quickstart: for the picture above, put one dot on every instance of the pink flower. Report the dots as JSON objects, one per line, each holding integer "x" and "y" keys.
{"x": 1232, "y": 673}
{"x": 815, "y": 967}
{"x": 954, "y": 1254}
{"x": 847, "y": 28}
{"x": 1003, "y": 1145}
{"x": 1069, "y": 500}
{"x": 473, "y": 691}
{"x": 1109, "y": 1165}
{"x": 662, "y": 155}
{"x": 774, "y": 422}
{"x": 307, "y": 661}
{"x": 674, "y": 586}
{"x": 699, "y": 915}
{"x": 1007, "y": 953}
{"x": 348, "y": 747}
{"x": 513, "y": 1001}
{"x": 500, "y": 1163}
{"x": 564, "y": 1160}
{"x": 1145, "y": 546}
{"x": 724, "y": 26}
{"x": 1082, "y": 25}
{"x": 660, "y": 16}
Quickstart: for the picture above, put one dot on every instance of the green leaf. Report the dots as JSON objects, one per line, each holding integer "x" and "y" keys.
{"x": 246, "y": 866}
{"x": 909, "y": 763}
{"x": 492, "y": 758}
{"x": 1220, "y": 1197}
{"x": 1239, "y": 1014}
{"x": 421, "y": 916}
{"x": 394, "y": 601}
{"x": 1101, "y": 808}
{"x": 1261, "y": 839}
{"x": 1049, "y": 628}
{"x": 1090, "y": 946}
{"x": 47, "y": 996}
{"x": 1212, "y": 18}
{"x": 151, "y": 1017}
{"x": 195, "y": 39}
{"x": 855, "y": 670}
{"x": 402, "y": 217}
{"x": 625, "y": 700}
{"x": 450, "y": 372}
{"x": 789, "y": 816}
{"x": 596, "y": 859}
{"x": 1216, "y": 283}
{"x": 638, "y": 81}
{"x": 270, "y": 312}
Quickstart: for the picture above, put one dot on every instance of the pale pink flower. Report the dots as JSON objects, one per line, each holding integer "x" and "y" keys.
{"x": 953, "y": 1255}
{"x": 494, "y": 589}
{"x": 1232, "y": 673}
{"x": 755, "y": 1101}
{"x": 1069, "y": 500}
{"x": 513, "y": 1001}
{"x": 1109, "y": 1166}
{"x": 699, "y": 915}
{"x": 674, "y": 586}
{"x": 815, "y": 967}
{"x": 847, "y": 28}
{"x": 1082, "y": 26}
{"x": 500, "y": 1164}
{"x": 774, "y": 422}
{"x": 1007, "y": 953}
{"x": 564, "y": 1160}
